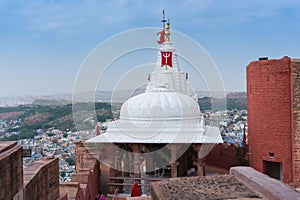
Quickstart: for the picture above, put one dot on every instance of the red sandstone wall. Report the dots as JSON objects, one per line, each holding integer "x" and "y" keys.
{"x": 93, "y": 182}
{"x": 269, "y": 114}
{"x": 89, "y": 181}
{"x": 222, "y": 156}
{"x": 43, "y": 180}
{"x": 87, "y": 174}
{"x": 295, "y": 83}
{"x": 63, "y": 197}
{"x": 83, "y": 157}
{"x": 11, "y": 170}
{"x": 72, "y": 190}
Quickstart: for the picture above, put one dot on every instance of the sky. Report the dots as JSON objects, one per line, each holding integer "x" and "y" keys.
{"x": 43, "y": 43}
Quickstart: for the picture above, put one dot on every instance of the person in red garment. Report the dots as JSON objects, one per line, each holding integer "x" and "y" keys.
{"x": 100, "y": 196}
{"x": 135, "y": 191}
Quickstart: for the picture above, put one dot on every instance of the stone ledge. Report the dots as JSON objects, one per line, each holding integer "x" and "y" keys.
{"x": 69, "y": 188}
{"x": 128, "y": 198}
{"x": 80, "y": 177}
{"x": 139, "y": 198}
{"x": 263, "y": 185}
{"x": 208, "y": 188}
{"x": 7, "y": 147}
{"x": 30, "y": 172}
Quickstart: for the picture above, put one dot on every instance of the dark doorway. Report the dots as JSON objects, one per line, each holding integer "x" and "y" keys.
{"x": 273, "y": 169}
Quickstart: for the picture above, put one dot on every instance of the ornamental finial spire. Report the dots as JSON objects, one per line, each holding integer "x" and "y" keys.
{"x": 166, "y": 28}
{"x": 167, "y": 31}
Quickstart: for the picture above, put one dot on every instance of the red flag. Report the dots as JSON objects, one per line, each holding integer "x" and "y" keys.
{"x": 161, "y": 37}
{"x": 166, "y": 58}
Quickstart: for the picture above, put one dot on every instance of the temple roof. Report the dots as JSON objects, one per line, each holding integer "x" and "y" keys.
{"x": 171, "y": 77}
{"x": 165, "y": 112}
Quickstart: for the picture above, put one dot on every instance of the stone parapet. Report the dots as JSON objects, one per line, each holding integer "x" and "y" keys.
{"x": 41, "y": 180}
{"x": 263, "y": 185}
{"x": 72, "y": 190}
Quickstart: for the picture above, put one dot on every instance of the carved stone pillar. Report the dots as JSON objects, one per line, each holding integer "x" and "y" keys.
{"x": 174, "y": 169}
{"x": 201, "y": 167}
{"x": 118, "y": 167}
{"x": 136, "y": 160}
{"x": 118, "y": 164}
{"x": 149, "y": 163}
{"x": 112, "y": 173}
{"x": 130, "y": 162}
{"x": 200, "y": 161}
{"x": 136, "y": 149}
{"x": 173, "y": 149}
{"x": 126, "y": 161}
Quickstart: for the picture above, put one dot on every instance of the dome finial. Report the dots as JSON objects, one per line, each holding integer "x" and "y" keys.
{"x": 167, "y": 31}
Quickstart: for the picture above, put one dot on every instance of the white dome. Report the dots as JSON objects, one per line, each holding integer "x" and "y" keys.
{"x": 160, "y": 104}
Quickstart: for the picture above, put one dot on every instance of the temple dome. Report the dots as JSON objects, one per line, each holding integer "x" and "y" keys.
{"x": 160, "y": 103}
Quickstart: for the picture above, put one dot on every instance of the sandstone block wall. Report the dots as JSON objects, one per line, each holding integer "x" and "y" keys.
{"x": 222, "y": 156}
{"x": 72, "y": 190}
{"x": 11, "y": 170}
{"x": 269, "y": 114}
{"x": 41, "y": 180}
{"x": 295, "y": 84}
{"x": 86, "y": 180}
{"x": 84, "y": 158}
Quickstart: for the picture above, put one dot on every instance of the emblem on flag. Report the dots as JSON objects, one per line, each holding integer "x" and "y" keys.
{"x": 166, "y": 58}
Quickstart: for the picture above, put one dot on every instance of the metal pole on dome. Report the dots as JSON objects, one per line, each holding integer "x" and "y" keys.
{"x": 163, "y": 20}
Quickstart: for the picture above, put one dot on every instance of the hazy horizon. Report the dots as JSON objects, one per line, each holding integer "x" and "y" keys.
{"x": 108, "y": 91}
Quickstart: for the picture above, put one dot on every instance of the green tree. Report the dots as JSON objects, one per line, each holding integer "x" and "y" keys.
{"x": 241, "y": 154}
{"x": 70, "y": 161}
{"x": 63, "y": 174}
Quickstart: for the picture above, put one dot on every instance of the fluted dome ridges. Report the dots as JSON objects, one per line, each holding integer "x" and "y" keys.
{"x": 160, "y": 104}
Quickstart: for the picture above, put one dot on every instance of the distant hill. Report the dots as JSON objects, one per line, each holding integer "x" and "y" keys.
{"x": 98, "y": 96}
{"x": 236, "y": 100}
{"x": 52, "y": 102}
{"x": 54, "y": 114}
{"x": 11, "y": 115}
{"x": 237, "y": 95}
